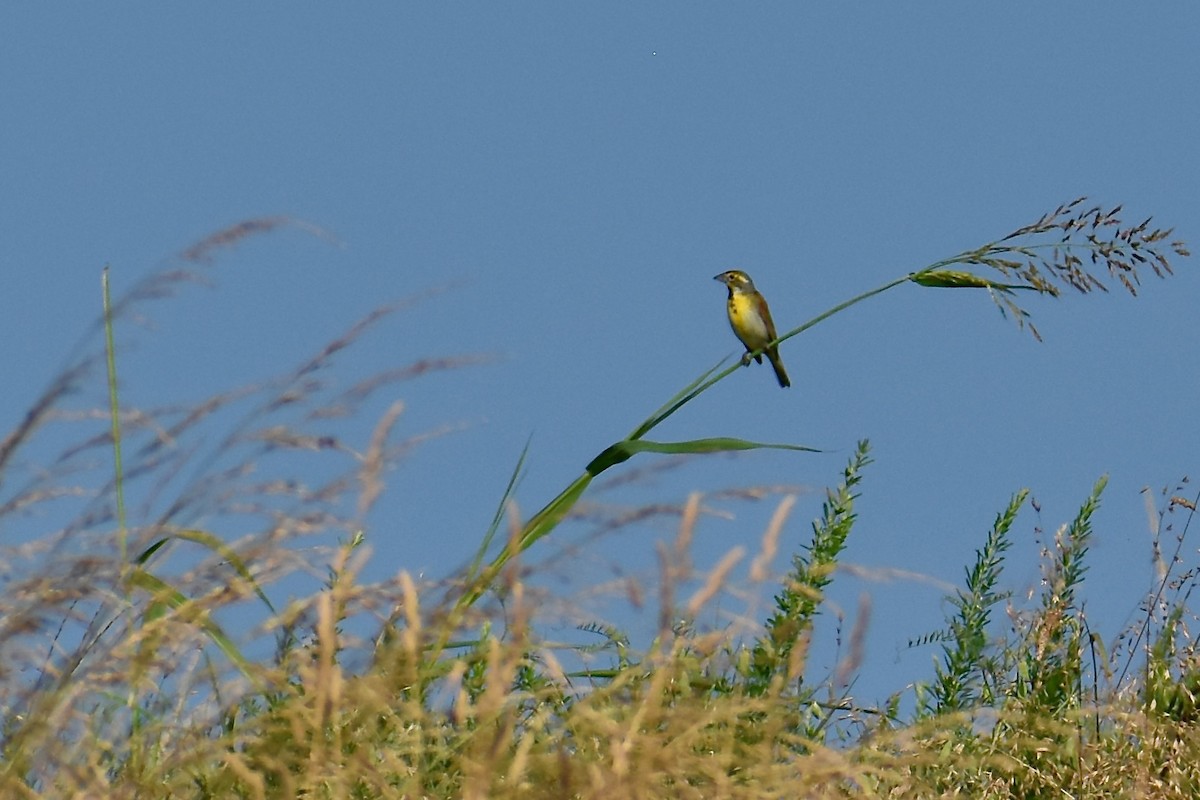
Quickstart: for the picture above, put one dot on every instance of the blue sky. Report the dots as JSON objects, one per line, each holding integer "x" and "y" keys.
{"x": 575, "y": 174}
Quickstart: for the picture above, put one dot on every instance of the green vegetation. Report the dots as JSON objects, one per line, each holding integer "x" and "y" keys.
{"x": 121, "y": 677}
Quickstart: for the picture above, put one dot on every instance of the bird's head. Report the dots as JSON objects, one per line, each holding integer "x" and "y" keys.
{"x": 736, "y": 280}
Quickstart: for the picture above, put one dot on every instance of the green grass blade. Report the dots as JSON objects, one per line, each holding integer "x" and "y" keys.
{"x": 218, "y": 546}
{"x": 623, "y": 451}
{"x": 166, "y": 596}
{"x": 513, "y": 480}
{"x": 538, "y": 526}
{"x": 678, "y": 400}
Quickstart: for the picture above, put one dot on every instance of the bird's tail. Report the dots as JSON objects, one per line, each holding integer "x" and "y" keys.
{"x": 780, "y": 373}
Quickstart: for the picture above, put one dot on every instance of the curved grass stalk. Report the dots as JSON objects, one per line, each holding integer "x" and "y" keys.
{"x": 1023, "y": 264}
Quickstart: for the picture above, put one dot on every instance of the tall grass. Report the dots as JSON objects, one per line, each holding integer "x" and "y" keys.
{"x": 122, "y": 677}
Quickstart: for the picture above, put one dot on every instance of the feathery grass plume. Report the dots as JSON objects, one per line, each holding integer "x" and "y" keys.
{"x": 1049, "y": 255}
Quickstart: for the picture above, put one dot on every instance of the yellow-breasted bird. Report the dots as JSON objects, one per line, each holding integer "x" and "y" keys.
{"x": 751, "y": 320}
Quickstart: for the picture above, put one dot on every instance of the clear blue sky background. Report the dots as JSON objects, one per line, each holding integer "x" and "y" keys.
{"x": 579, "y": 172}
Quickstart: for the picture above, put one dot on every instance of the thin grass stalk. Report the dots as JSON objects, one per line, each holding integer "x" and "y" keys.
{"x": 1122, "y": 253}
{"x": 1148, "y": 618}
{"x": 114, "y": 410}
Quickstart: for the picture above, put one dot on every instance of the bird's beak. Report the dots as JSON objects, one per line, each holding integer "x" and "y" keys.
{"x": 720, "y": 277}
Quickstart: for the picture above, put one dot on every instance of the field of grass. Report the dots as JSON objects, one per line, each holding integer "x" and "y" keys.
{"x": 120, "y": 678}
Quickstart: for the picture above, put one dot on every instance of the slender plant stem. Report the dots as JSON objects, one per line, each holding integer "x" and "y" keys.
{"x": 114, "y": 412}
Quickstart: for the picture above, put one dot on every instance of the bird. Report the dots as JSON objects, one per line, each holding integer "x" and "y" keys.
{"x": 751, "y": 321}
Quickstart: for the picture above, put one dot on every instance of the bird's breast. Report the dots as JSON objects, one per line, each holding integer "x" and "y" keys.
{"x": 747, "y": 323}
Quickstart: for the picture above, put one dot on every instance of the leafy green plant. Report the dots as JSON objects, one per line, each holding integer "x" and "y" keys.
{"x": 968, "y": 674}
{"x": 800, "y": 599}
